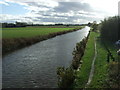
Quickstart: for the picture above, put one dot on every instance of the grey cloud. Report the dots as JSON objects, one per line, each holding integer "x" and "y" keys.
{"x": 58, "y": 20}
{"x": 74, "y": 6}
{"x": 35, "y": 4}
{"x": 69, "y": 19}
{"x": 86, "y": 13}
{"x": 28, "y": 17}
{"x": 63, "y": 7}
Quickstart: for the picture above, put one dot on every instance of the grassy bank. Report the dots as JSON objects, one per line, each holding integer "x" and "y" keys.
{"x": 101, "y": 67}
{"x": 83, "y": 73}
{"x": 106, "y": 74}
{"x": 18, "y": 39}
{"x": 66, "y": 76}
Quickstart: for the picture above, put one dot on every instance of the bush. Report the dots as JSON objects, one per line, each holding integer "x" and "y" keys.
{"x": 65, "y": 77}
{"x": 78, "y": 53}
{"x": 109, "y": 28}
{"x": 114, "y": 75}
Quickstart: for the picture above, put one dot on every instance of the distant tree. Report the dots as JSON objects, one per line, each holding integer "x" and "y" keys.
{"x": 11, "y": 25}
{"x": 21, "y": 24}
{"x": 4, "y": 25}
{"x": 89, "y": 24}
{"x": 94, "y": 26}
{"x": 59, "y": 24}
{"x": 67, "y": 25}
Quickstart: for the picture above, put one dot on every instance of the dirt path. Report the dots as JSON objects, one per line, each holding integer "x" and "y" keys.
{"x": 92, "y": 67}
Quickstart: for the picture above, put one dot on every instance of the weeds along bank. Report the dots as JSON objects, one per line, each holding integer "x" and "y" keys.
{"x": 66, "y": 76}
{"x": 11, "y": 44}
{"x": 106, "y": 74}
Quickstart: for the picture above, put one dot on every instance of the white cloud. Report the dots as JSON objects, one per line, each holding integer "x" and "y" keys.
{"x": 11, "y": 18}
{"x": 81, "y": 21}
{"x": 108, "y": 6}
{"x": 65, "y": 11}
{"x": 1, "y": 2}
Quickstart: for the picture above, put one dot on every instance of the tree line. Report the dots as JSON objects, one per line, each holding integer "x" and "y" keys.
{"x": 16, "y": 24}
{"x": 24, "y": 24}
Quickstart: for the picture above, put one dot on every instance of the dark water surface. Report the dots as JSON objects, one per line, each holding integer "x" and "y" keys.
{"x": 35, "y": 66}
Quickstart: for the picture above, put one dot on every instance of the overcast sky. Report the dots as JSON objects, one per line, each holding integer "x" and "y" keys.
{"x": 57, "y": 11}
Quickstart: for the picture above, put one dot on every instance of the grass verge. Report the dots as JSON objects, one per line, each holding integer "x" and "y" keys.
{"x": 101, "y": 67}
{"x": 106, "y": 74}
{"x": 83, "y": 73}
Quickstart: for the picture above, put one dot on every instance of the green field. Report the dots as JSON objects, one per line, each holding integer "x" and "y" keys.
{"x": 30, "y": 31}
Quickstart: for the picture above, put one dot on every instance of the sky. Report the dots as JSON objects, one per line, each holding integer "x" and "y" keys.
{"x": 57, "y": 11}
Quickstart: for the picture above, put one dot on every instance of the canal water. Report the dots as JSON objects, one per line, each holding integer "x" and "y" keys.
{"x": 35, "y": 66}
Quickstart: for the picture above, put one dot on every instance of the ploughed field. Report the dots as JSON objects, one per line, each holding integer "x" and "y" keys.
{"x": 20, "y": 32}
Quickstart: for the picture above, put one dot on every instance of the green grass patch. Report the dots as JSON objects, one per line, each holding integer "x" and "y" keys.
{"x": 30, "y": 31}
{"x": 101, "y": 66}
{"x": 101, "y": 73}
{"x": 83, "y": 74}
{"x": 100, "y": 78}
{"x": 113, "y": 49}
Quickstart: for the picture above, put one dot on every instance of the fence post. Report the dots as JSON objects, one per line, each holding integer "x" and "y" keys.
{"x": 108, "y": 57}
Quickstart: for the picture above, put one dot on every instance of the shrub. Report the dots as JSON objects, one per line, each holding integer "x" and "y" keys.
{"x": 78, "y": 53}
{"x": 114, "y": 75}
{"x": 110, "y": 28}
{"x": 65, "y": 77}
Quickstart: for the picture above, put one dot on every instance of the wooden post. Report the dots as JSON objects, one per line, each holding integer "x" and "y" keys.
{"x": 108, "y": 57}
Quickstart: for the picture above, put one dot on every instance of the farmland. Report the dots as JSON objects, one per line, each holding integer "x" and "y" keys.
{"x": 30, "y": 31}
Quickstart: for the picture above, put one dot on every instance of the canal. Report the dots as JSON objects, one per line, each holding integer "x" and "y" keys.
{"x": 35, "y": 66}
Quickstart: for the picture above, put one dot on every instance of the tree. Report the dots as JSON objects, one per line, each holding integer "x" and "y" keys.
{"x": 21, "y": 24}
{"x": 4, "y": 25}
{"x": 89, "y": 24}
{"x": 110, "y": 28}
{"x": 94, "y": 26}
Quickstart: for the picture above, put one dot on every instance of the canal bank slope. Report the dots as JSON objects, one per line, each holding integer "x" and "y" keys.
{"x": 84, "y": 71}
{"x": 12, "y": 44}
